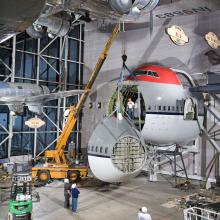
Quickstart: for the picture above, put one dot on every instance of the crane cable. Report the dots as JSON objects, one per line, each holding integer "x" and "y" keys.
{"x": 121, "y": 78}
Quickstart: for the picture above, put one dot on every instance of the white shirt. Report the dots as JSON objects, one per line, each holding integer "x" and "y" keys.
{"x": 130, "y": 104}
{"x": 66, "y": 113}
{"x": 144, "y": 216}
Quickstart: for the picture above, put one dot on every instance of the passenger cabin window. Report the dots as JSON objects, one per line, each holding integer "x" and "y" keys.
{"x": 168, "y": 108}
{"x": 173, "y": 108}
{"x": 164, "y": 108}
{"x": 106, "y": 150}
{"x": 92, "y": 148}
{"x": 159, "y": 108}
{"x": 149, "y": 107}
{"x": 19, "y": 87}
{"x": 96, "y": 149}
{"x": 101, "y": 149}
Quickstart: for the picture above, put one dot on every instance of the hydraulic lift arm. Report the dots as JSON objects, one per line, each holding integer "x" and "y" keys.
{"x": 58, "y": 153}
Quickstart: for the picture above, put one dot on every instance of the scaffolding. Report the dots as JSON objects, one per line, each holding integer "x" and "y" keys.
{"x": 56, "y": 63}
{"x": 210, "y": 130}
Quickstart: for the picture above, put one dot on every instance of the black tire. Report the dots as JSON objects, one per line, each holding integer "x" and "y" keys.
{"x": 43, "y": 176}
{"x": 73, "y": 175}
{"x": 26, "y": 217}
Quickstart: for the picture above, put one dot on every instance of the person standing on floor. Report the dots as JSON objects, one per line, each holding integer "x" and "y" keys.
{"x": 143, "y": 215}
{"x": 130, "y": 108}
{"x": 67, "y": 193}
{"x": 75, "y": 194}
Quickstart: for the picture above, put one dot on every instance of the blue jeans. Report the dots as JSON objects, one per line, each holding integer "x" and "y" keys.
{"x": 74, "y": 204}
{"x": 131, "y": 113}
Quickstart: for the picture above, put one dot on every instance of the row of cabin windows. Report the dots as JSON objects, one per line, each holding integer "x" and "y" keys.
{"x": 98, "y": 149}
{"x": 166, "y": 108}
{"x": 146, "y": 72}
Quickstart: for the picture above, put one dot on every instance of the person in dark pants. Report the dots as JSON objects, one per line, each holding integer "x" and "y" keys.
{"x": 67, "y": 193}
{"x": 130, "y": 108}
{"x": 75, "y": 194}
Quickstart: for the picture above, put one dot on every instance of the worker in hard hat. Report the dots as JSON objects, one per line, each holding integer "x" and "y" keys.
{"x": 67, "y": 193}
{"x": 75, "y": 194}
{"x": 143, "y": 215}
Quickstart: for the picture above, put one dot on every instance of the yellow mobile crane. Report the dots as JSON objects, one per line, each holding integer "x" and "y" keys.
{"x": 60, "y": 167}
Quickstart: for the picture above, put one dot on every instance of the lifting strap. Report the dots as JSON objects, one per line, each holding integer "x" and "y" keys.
{"x": 120, "y": 87}
{"x": 121, "y": 79}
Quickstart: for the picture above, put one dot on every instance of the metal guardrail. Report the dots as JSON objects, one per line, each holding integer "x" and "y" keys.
{"x": 196, "y": 213}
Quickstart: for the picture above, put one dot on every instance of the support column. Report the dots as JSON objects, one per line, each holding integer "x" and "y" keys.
{"x": 10, "y": 126}
{"x": 204, "y": 147}
{"x": 37, "y": 82}
{"x": 217, "y": 174}
{"x": 78, "y": 144}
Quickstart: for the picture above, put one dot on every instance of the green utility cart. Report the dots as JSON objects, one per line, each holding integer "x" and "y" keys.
{"x": 20, "y": 204}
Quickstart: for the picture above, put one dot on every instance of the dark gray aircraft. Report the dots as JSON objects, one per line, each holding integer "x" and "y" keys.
{"x": 57, "y": 17}
{"x": 18, "y": 95}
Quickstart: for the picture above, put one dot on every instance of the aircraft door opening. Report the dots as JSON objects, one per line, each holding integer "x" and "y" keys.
{"x": 189, "y": 110}
{"x": 129, "y": 91}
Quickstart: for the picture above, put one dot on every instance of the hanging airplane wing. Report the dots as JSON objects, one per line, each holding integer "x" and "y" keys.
{"x": 39, "y": 98}
{"x": 52, "y": 96}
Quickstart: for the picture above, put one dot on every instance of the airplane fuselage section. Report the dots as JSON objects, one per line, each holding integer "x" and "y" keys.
{"x": 164, "y": 98}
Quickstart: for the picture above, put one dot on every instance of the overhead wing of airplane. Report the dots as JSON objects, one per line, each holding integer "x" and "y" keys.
{"x": 52, "y": 96}
{"x": 56, "y": 17}
{"x": 35, "y": 103}
{"x": 39, "y": 98}
{"x": 16, "y": 16}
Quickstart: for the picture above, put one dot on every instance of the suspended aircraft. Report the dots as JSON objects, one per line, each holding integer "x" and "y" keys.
{"x": 56, "y": 17}
{"x": 168, "y": 114}
{"x": 171, "y": 111}
{"x": 18, "y": 95}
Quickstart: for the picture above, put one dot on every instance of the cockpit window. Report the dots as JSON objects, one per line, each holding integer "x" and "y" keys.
{"x": 151, "y": 73}
{"x": 145, "y": 72}
{"x": 139, "y": 72}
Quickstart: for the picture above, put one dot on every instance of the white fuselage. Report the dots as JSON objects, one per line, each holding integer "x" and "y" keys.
{"x": 164, "y": 121}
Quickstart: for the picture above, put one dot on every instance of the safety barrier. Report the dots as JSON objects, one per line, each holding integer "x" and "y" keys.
{"x": 195, "y": 213}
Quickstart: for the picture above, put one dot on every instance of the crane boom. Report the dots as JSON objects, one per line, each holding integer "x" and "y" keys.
{"x": 58, "y": 153}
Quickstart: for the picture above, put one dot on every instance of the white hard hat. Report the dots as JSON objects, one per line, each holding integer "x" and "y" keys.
{"x": 73, "y": 186}
{"x": 66, "y": 180}
{"x": 144, "y": 209}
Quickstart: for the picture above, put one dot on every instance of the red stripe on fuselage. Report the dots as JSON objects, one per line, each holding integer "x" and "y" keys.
{"x": 166, "y": 75}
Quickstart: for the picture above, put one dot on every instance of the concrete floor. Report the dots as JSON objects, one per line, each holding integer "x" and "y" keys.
{"x": 107, "y": 202}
